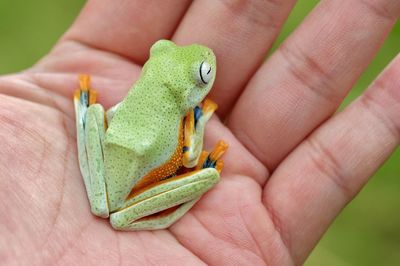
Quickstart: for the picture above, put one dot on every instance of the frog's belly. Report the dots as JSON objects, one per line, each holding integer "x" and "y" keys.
{"x": 164, "y": 171}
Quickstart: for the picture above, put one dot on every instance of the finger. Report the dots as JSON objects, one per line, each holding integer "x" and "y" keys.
{"x": 306, "y": 79}
{"x": 127, "y": 28}
{"x": 319, "y": 178}
{"x": 240, "y": 33}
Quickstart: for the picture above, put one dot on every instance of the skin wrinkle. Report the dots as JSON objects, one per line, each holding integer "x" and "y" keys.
{"x": 259, "y": 250}
{"x": 49, "y": 94}
{"x": 88, "y": 46}
{"x": 66, "y": 123}
{"x": 177, "y": 238}
{"x": 247, "y": 142}
{"x": 199, "y": 221}
{"x": 240, "y": 209}
{"x": 101, "y": 64}
{"x": 379, "y": 10}
{"x": 71, "y": 244}
{"x": 324, "y": 160}
{"x": 268, "y": 255}
{"x": 159, "y": 260}
{"x": 50, "y": 102}
{"x": 44, "y": 143}
{"x": 7, "y": 221}
{"x": 282, "y": 232}
{"x": 12, "y": 187}
{"x": 231, "y": 239}
{"x": 239, "y": 8}
{"x": 44, "y": 154}
{"x": 14, "y": 81}
{"x": 71, "y": 78}
{"x": 66, "y": 159}
{"x": 202, "y": 258}
{"x": 58, "y": 210}
{"x": 20, "y": 128}
{"x": 374, "y": 108}
{"x": 324, "y": 87}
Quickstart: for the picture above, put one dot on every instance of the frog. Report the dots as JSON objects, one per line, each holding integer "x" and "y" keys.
{"x": 142, "y": 160}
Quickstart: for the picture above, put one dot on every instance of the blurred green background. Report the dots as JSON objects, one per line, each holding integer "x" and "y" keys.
{"x": 368, "y": 230}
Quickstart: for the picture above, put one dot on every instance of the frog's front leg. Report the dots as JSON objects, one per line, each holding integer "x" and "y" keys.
{"x": 195, "y": 123}
{"x": 90, "y": 122}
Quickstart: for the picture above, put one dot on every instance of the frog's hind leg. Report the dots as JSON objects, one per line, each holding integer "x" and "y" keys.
{"x": 160, "y": 205}
{"x": 160, "y": 220}
{"x": 90, "y": 123}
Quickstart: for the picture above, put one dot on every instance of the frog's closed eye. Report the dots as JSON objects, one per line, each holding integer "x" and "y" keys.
{"x": 205, "y": 73}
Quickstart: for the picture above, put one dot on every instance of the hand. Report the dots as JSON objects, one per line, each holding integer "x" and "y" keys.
{"x": 291, "y": 167}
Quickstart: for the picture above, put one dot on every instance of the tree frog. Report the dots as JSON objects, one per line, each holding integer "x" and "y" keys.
{"x": 142, "y": 160}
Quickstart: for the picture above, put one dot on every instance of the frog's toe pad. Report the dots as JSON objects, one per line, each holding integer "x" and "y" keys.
{"x": 85, "y": 94}
{"x": 213, "y": 159}
{"x": 209, "y": 106}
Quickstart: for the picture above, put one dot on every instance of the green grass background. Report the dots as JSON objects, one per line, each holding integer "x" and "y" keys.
{"x": 368, "y": 230}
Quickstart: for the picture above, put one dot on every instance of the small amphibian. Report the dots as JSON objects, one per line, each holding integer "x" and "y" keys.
{"x": 142, "y": 160}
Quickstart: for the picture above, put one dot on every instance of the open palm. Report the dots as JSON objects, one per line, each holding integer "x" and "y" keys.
{"x": 291, "y": 166}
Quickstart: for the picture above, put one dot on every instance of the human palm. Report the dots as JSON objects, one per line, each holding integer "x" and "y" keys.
{"x": 290, "y": 169}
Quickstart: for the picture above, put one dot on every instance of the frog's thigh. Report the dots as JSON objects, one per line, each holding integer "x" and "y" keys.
{"x": 94, "y": 138}
{"x": 163, "y": 204}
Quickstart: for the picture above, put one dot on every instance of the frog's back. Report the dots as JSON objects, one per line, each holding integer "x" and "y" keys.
{"x": 142, "y": 136}
{"x": 146, "y": 121}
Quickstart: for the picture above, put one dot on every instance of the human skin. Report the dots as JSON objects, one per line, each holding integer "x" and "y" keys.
{"x": 292, "y": 164}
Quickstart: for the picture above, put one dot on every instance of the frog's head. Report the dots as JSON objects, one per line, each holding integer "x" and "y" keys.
{"x": 187, "y": 71}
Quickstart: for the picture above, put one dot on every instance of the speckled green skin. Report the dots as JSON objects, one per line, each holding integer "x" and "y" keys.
{"x": 143, "y": 135}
